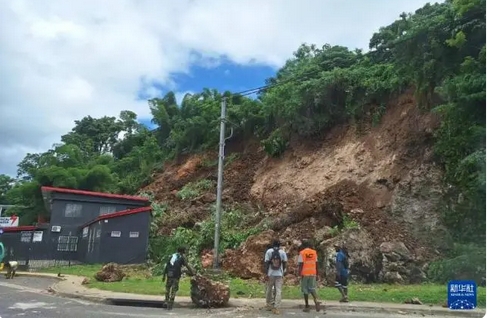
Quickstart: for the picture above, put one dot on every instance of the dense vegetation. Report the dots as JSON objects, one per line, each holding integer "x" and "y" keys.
{"x": 439, "y": 51}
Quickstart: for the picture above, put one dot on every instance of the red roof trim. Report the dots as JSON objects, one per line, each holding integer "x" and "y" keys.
{"x": 98, "y": 194}
{"x": 18, "y": 228}
{"x": 119, "y": 214}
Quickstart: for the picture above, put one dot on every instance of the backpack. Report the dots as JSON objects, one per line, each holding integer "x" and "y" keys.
{"x": 275, "y": 261}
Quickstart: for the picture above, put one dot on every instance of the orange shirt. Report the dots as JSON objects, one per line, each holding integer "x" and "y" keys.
{"x": 308, "y": 257}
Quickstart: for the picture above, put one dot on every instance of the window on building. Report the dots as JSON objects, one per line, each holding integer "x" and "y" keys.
{"x": 85, "y": 232}
{"x": 67, "y": 243}
{"x": 134, "y": 234}
{"x": 116, "y": 234}
{"x": 73, "y": 210}
{"x": 25, "y": 237}
{"x": 107, "y": 209}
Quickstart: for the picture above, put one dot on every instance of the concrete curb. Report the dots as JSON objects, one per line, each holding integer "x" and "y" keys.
{"x": 243, "y": 302}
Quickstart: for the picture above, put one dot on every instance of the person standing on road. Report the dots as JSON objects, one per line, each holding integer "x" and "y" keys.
{"x": 173, "y": 271}
{"x": 275, "y": 261}
{"x": 341, "y": 266}
{"x": 308, "y": 273}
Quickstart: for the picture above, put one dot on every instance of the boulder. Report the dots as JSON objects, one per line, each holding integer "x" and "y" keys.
{"x": 206, "y": 293}
{"x": 207, "y": 258}
{"x": 110, "y": 272}
{"x": 365, "y": 258}
{"x": 398, "y": 264}
{"x": 395, "y": 251}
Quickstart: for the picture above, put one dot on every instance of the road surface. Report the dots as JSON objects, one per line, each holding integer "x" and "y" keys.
{"x": 27, "y": 297}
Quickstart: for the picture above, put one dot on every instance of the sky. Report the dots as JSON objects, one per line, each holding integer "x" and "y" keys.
{"x": 62, "y": 60}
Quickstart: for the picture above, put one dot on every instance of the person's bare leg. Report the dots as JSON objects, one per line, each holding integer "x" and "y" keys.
{"x": 306, "y": 303}
{"x": 315, "y": 299}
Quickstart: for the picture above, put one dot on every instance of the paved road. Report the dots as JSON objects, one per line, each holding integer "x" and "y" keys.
{"x": 18, "y": 300}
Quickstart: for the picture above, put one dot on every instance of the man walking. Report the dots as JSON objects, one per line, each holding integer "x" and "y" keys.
{"x": 275, "y": 261}
{"x": 341, "y": 266}
{"x": 308, "y": 272}
{"x": 173, "y": 271}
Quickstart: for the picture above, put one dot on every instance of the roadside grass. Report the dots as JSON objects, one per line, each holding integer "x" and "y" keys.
{"x": 139, "y": 281}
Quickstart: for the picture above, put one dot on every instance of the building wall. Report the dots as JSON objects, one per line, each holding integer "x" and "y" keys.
{"x": 125, "y": 249}
{"x": 89, "y": 248}
{"x": 91, "y": 208}
{"x": 27, "y": 247}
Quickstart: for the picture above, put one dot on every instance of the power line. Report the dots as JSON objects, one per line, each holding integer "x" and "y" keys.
{"x": 262, "y": 88}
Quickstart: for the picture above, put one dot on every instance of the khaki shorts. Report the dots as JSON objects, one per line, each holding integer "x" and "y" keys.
{"x": 308, "y": 284}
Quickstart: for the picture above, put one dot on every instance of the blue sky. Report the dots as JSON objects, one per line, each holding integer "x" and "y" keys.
{"x": 224, "y": 76}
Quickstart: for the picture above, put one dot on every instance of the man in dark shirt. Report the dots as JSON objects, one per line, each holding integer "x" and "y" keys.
{"x": 173, "y": 271}
{"x": 341, "y": 265}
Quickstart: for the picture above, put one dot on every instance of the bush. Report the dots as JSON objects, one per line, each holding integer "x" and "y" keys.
{"x": 232, "y": 235}
{"x": 464, "y": 262}
{"x": 275, "y": 144}
{"x": 194, "y": 189}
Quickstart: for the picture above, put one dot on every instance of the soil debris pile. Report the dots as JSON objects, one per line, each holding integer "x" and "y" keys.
{"x": 110, "y": 272}
{"x": 206, "y": 293}
{"x": 247, "y": 261}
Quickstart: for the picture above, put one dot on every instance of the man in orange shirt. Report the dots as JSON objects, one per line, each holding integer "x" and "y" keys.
{"x": 308, "y": 272}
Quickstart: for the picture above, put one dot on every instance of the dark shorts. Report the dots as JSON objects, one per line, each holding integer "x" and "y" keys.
{"x": 341, "y": 281}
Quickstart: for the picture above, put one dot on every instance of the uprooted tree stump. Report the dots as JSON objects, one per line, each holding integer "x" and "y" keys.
{"x": 110, "y": 272}
{"x": 206, "y": 293}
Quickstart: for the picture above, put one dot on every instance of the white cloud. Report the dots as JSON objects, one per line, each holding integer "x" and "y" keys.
{"x": 62, "y": 60}
{"x": 180, "y": 96}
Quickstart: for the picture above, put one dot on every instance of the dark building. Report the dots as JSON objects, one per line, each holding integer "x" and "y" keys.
{"x": 24, "y": 242}
{"x": 84, "y": 227}
{"x": 121, "y": 237}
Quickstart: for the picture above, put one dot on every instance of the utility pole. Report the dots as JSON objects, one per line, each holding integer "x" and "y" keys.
{"x": 219, "y": 187}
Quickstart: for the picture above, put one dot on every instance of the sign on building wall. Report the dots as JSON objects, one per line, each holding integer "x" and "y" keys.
{"x": 7, "y": 221}
{"x": 85, "y": 231}
{"x": 25, "y": 236}
{"x": 37, "y": 236}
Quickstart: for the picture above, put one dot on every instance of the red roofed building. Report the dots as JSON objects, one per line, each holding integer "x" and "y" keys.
{"x": 84, "y": 227}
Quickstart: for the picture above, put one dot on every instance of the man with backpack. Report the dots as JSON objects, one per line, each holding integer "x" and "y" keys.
{"x": 275, "y": 267}
{"x": 173, "y": 271}
{"x": 341, "y": 266}
{"x": 308, "y": 273}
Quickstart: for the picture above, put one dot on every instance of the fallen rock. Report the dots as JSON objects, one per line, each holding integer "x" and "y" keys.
{"x": 207, "y": 258}
{"x": 392, "y": 278}
{"x": 364, "y": 260}
{"x": 323, "y": 234}
{"x": 110, "y": 272}
{"x": 398, "y": 265}
{"x": 85, "y": 281}
{"x": 395, "y": 251}
{"x": 208, "y": 294}
{"x": 413, "y": 301}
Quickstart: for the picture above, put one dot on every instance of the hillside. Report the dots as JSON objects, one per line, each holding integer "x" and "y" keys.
{"x": 383, "y": 150}
{"x": 383, "y": 178}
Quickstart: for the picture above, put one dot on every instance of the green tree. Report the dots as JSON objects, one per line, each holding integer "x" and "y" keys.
{"x": 6, "y": 183}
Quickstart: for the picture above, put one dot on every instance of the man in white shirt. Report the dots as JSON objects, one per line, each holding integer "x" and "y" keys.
{"x": 275, "y": 267}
